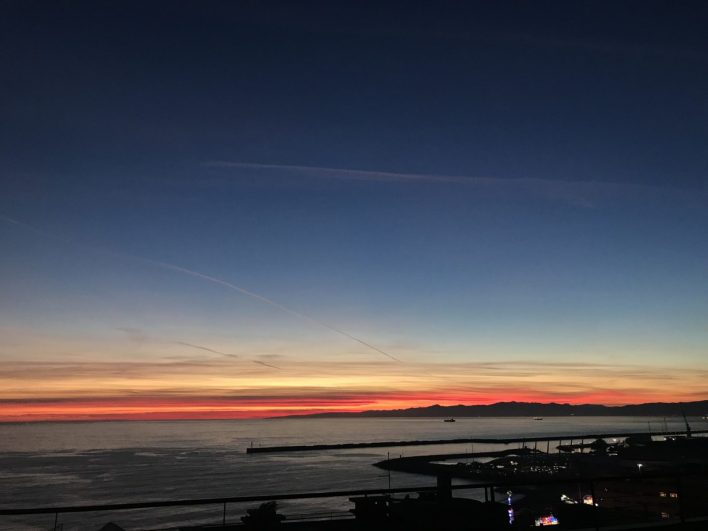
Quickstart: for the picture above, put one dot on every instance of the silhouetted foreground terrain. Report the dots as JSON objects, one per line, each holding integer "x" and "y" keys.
{"x": 535, "y": 409}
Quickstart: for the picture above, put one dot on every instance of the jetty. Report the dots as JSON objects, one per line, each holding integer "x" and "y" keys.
{"x": 466, "y": 440}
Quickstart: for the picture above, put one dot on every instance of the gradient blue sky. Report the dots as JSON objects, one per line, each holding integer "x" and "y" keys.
{"x": 457, "y": 184}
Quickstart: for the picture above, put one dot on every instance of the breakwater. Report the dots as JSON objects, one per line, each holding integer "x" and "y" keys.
{"x": 467, "y": 440}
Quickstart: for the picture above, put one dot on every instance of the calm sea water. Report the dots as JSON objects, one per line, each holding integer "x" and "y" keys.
{"x": 47, "y": 464}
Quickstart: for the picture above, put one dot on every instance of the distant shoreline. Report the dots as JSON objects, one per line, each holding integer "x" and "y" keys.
{"x": 496, "y": 410}
{"x": 528, "y": 409}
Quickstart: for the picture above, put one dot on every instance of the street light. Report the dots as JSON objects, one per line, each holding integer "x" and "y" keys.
{"x": 639, "y": 466}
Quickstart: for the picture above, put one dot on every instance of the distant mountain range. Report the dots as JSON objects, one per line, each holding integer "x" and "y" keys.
{"x": 534, "y": 409}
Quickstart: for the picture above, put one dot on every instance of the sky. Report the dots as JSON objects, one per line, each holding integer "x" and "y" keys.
{"x": 246, "y": 209}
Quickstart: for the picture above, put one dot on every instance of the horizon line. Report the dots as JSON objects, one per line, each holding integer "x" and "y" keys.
{"x": 167, "y": 416}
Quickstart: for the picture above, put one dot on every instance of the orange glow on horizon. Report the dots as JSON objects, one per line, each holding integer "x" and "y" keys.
{"x": 222, "y": 389}
{"x": 193, "y": 408}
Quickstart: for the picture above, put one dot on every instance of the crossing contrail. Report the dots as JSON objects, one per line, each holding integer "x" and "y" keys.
{"x": 136, "y": 334}
{"x": 214, "y": 280}
{"x": 266, "y": 364}
{"x": 207, "y": 349}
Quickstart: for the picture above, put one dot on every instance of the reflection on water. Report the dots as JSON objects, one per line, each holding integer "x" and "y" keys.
{"x": 113, "y": 462}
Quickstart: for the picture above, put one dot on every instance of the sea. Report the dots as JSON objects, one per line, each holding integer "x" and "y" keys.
{"x": 51, "y": 464}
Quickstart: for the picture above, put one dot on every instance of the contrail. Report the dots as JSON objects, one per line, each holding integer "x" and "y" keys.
{"x": 259, "y": 297}
{"x": 214, "y": 280}
{"x": 266, "y": 364}
{"x": 10, "y": 220}
{"x": 200, "y": 347}
{"x": 577, "y": 193}
{"x": 361, "y": 175}
{"x": 138, "y": 335}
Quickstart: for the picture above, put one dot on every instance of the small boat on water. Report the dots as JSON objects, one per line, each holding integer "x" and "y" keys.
{"x": 538, "y": 418}
{"x": 449, "y": 420}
